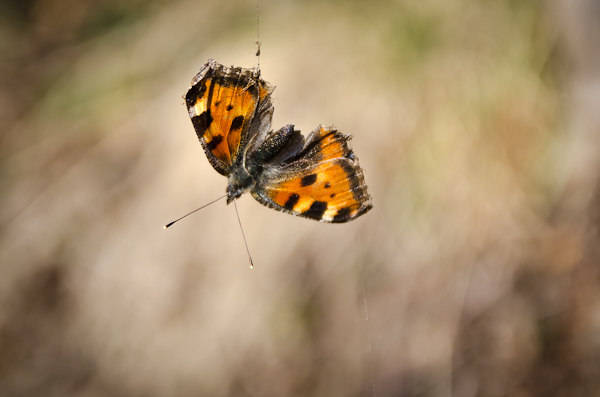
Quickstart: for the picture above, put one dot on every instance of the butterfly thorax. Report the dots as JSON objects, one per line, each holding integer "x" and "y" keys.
{"x": 243, "y": 177}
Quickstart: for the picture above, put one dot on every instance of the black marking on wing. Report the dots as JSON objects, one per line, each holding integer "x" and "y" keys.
{"x": 214, "y": 142}
{"x": 205, "y": 118}
{"x": 291, "y": 202}
{"x": 316, "y": 210}
{"x": 202, "y": 122}
{"x": 342, "y": 215}
{"x": 308, "y": 180}
{"x": 195, "y": 92}
{"x": 351, "y": 170}
{"x": 237, "y": 122}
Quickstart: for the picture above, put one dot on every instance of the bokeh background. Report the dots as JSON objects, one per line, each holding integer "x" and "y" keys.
{"x": 477, "y": 123}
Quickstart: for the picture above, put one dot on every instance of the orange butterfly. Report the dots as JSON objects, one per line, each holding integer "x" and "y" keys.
{"x": 316, "y": 177}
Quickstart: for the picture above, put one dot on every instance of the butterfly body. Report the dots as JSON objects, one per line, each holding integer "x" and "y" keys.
{"x": 316, "y": 177}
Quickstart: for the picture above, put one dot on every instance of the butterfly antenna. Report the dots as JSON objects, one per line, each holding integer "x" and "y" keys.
{"x": 257, "y": 38}
{"x": 198, "y": 209}
{"x": 243, "y": 235}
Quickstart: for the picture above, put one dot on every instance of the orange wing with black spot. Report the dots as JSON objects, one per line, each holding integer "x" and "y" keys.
{"x": 322, "y": 181}
{"x": 222, "y": 103}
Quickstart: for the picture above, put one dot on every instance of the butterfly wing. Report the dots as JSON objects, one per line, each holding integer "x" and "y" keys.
{"x": 227, "y": 106}
{"x": 321, "y": 181}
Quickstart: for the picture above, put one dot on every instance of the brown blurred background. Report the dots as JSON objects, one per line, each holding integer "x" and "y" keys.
{"x": 477, "y": 123}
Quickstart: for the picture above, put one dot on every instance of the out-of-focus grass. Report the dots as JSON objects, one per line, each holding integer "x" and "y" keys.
{"x": 458, "y": 117}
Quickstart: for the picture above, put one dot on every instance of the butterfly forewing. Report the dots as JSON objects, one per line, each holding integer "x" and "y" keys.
{"x": 222, "y": 103}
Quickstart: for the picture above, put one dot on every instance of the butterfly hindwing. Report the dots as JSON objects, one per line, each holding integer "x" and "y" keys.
{"x": 322, "y": 181}
{"x": 222, "y": 103}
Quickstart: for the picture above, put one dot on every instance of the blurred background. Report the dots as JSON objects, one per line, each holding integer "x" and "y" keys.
{"x": 477, "y": 123}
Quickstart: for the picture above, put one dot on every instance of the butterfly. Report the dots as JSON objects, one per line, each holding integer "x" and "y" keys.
{"x": 315, "y": 176}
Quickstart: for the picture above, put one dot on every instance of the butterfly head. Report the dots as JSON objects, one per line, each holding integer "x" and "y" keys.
{"x": 239, "y": 181}
{"x": 233, "y": 192}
